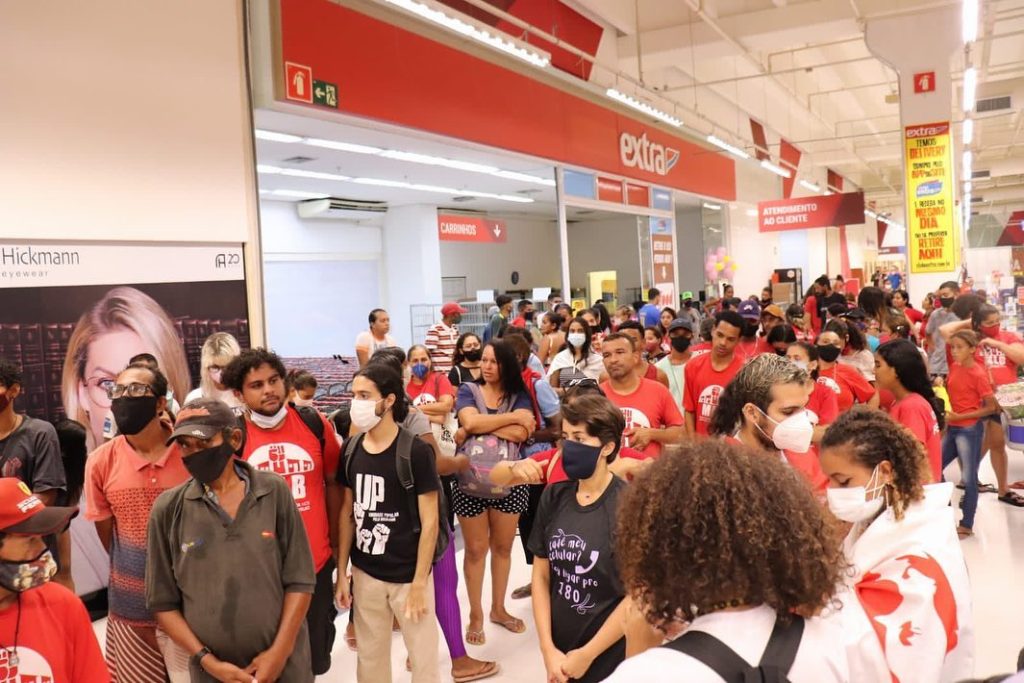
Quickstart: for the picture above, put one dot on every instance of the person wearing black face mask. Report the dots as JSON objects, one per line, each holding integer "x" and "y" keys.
{"x": 123, "y": 478}
{"x": 942, "y": 315}
{"x": 578, "y": 600}
{"x": 230, "y": 521}
{"x": 466, "y": 361}
{"x": 680, "y": 336}
{"x": 45, "y": 632}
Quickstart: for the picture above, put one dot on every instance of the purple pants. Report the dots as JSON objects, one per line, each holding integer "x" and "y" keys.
{"x": 446, "y": 601}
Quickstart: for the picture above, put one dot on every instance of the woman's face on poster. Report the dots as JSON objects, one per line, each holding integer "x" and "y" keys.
{"x": 108, "y": 355}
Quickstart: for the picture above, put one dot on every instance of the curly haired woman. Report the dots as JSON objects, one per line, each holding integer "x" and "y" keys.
{"x": 733, "y": 543}
{"x": 907, "y": 615}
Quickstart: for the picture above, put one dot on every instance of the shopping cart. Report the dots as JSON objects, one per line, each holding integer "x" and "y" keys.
{"x": 1010, "y": 398}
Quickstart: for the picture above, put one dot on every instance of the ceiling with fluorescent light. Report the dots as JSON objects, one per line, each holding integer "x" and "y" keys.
{"x": 283, "y": 158}
{"x": 800, "y": 67}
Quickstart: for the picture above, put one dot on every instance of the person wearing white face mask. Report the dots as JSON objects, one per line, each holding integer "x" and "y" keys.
{"x": 577, "y": 359}
{"x": 907, "y": 613}
{"x": 765, "y": 407}
{"x": 299, "y": 444}
{"x": 301, "y": 387}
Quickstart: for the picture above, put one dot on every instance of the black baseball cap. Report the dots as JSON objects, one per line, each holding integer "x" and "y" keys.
{"x": 203, "y": 419}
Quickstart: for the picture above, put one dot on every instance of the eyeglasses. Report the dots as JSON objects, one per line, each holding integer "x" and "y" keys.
{"x": 133, "y": 390}
{"x": 99, "y": 390}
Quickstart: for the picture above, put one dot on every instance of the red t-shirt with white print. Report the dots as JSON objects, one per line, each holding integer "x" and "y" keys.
{"x": 703, "y": 385}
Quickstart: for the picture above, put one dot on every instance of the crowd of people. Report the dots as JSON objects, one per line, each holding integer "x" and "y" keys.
{"x": 738, "y": 490}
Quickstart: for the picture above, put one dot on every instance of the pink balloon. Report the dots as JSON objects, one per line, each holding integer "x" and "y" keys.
{"x": 710, "y": 273}
{"x": 728, "y": 272}
{"x": 720, "y": 252}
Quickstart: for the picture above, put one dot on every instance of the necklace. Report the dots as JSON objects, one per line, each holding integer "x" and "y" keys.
{"x": 12, "y": 652}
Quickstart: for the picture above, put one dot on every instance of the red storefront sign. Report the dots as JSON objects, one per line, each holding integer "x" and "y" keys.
{"x": 391, "y": 74}
{"x": 638, "y": 195}
{"x": 811, "y": 212}
{"x": 609, "y": 190}
{"x": 470, "y": 229}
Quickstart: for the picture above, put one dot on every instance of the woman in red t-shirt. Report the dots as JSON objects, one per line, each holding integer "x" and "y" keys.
{"x": 430, "y": 391}
{"x": 900, "y": 370}
{"x": 848, "y": 384}
{"x": 970, "y": 395}
{"x": 823, "y": 402}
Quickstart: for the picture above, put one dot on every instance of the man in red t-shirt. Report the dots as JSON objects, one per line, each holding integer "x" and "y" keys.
{"x": 652, "y": 418}
{"x": 707, "y": 375}
{"x": 278, "y": 439}
{"x": 45, "y": 632}
{"x": 525, "y": 313}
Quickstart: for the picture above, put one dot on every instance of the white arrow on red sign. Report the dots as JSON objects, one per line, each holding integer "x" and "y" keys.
{"x": 497, "y": 231}
{"x": 664, "y": 272}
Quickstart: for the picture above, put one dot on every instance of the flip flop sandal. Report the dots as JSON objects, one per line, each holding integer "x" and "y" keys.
{"x": 513, "y": 625}
{"x": 475, "y": 637}
{"x": 987, "y": 488}
{"x": 1011, "y": 498}
{"x": 489, "y": 669}
{"x": 522, "y": 592}
{"x": 964, "y": 532}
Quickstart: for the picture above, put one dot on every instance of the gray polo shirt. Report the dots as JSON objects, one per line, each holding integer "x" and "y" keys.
{"x": 229, "y": 580}
{"x": 937, "y": 361}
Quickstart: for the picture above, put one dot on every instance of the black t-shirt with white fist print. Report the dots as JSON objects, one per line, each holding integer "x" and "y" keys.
{"x": 385, "y": 545}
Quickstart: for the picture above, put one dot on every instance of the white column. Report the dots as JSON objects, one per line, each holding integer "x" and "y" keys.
{"x": 412, "y": 265}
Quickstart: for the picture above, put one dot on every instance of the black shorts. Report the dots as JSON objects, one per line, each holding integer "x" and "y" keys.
{"x": 515, "y": 503}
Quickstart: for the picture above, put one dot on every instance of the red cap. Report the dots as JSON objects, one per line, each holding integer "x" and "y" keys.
{"x": 451, "y": 308}
{"x": 23, "y": 514}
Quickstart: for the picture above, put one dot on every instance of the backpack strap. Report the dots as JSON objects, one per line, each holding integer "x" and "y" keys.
{"x": 243, "y": 426}
{"x": 351, "y": 444}
{"x": 713, "y": 653}
{"x": 403, "y": 464}
{"x": 311, "y": 416}
{"x": 783, "y": 645}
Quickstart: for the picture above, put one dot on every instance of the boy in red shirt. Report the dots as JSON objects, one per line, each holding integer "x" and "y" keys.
{"x": 279, "y": 439}
{"x": 707, "y": 376}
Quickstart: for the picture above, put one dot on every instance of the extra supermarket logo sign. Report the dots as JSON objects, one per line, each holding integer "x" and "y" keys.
{"x": 642, "y": 154}
{"x": 927, "y": 130}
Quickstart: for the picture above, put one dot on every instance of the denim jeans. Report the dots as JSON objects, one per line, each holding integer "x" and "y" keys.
{"x": 965, "y": 443}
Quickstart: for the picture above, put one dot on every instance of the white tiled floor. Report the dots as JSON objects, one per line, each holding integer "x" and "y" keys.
{"x": 992, "y": 557}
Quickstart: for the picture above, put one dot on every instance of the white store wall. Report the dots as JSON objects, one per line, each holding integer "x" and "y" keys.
{"x": 608, "y": 243}
{"x": 531, "y": 250}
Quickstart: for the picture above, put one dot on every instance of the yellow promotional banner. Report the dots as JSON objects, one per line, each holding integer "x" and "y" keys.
{"x": 931, "y": 214}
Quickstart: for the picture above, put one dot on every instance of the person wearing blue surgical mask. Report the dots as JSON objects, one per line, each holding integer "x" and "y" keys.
{"x": 578, "y": 600}
{"x": 907, "y": 565}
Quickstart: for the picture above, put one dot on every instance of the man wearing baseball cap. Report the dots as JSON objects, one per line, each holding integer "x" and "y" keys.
{"x": 441, "y": 338}
{"x": 771, "y": 317}
{"x": 680, "y": 336}
{"x": 750, "y": 311}
{"x": 45, "y": 632}
{"x": 229, "y": 571}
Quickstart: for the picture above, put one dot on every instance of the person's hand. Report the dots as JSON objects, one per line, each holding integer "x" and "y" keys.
{"x": 939, "y": 381}
{"x": 416, "y": 601}
{"x": 343, "y": 594}
{"x": 526, "y": 420}
{"x": 576, "y": 663}
{"x": 553, "y": 661}
{"x": 460, "y": 436}
{"x": 267, "y": 666}
{"x": 952, "y": 417}
{"x": 529, "y": 470}
{"x": 225, "y": 672}
{"x": 461, "y": 462}
{"x": 628, "y": 468}
{"x": 989, "y": 341}
{"x": 640, "y": 438}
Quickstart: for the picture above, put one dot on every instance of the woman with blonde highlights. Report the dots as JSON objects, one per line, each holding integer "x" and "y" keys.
{"x": 219, "y": 349}
{"x": 125, "y": 322}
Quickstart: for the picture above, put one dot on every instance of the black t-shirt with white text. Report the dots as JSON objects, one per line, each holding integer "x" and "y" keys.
{"x": 578, "y": 543}
{"x": 385, "y": 545}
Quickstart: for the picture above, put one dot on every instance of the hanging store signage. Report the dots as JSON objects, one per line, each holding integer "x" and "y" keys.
{"x": 929, "y": 185}
{"x": 811, "y": 212}
{"x": 470, "y": 229}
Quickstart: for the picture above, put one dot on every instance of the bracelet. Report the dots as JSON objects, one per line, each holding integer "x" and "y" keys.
{"x": 197, "y": 658}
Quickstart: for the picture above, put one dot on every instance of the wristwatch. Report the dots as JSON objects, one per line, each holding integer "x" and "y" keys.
{"x": 197, "y": 658}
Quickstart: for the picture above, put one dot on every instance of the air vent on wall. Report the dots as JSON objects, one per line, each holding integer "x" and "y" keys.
{"x": 994, "y": 104}
{"x": 347, "y": 209}
{"x": 298, "y": 160}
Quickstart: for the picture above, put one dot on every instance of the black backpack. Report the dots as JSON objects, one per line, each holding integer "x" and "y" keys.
{"x": 403, "y": 464}
{"x": 310, "y": 416}
{"x": 777, "y": 660}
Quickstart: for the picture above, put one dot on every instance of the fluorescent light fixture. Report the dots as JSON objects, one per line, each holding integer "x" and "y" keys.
{"x": 777, "y": 170}
{"x": 262, "y": 191}
{"x": 525, "y": 177}
{"x": 968, "y": 186}
{"x": 267, "y": 170}
{"x": 634, "y": 103}
{"x": 970, "y": 88}
{"x": 712, "y": 207}
{"x": 415, "y": 158}
{"x": 807, "y": 185}
{"x": 276, "y": 137}
{"x": 870, "y": 214}
{"x": 731, "y": 149}
{"x": 299, "y": 194}
{"x": 475, "y": 30}
{"x": 382, "y": 182}
{"x": 968, "y": 132}
{"x": 317, "y": 175}
{"x": 968, "y": 161}
{"x": 342, "y": 146}
{"x": 969, "y": 21}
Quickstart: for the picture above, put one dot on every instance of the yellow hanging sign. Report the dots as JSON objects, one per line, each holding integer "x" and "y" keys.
{"x": 931, "y": 212}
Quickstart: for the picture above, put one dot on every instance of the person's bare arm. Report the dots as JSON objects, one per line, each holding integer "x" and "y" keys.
{"x": 416, "y": 602}
{"x": 363, "y": 356}
{"x": 474, "y": 422}
{"x": 443, "y": 406}
{"x": 988, "y": 407}
{"x": 578, "y": 661}
{"x": 516, "y": 472}
{"x": 691, "y": 423}
{"x": 1015, "y": 351}
{"x": 63, "y": 576}
{"x": 874, "y": 400}
{"x": 105, "y": 530}
{"x": 174, "y": 625}
{"x": 949, "y": 329}
{"x": 49, "y": 497}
